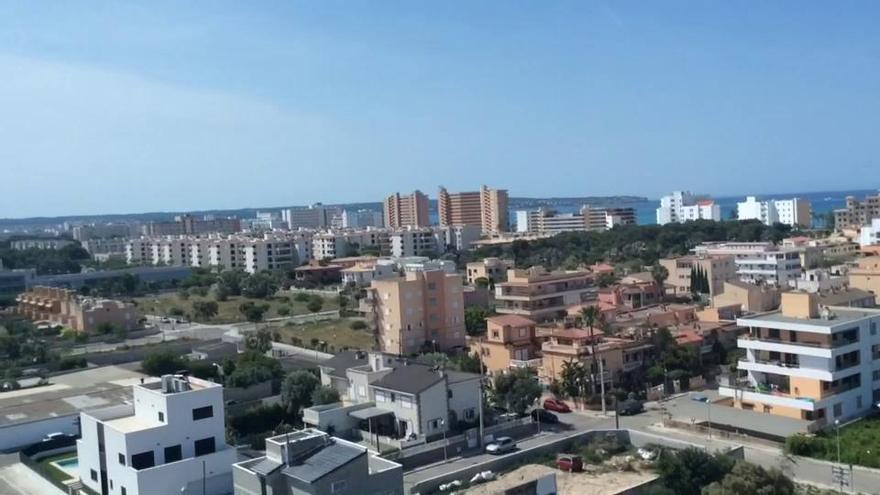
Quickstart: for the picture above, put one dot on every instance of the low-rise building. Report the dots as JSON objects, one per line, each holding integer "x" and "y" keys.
{"x": 492, "y": 269}
{"x": 763, "y": 262}
{"x": 819, "y": 280}
{"x": 870, "y": 234}
{"x": 541, "y": 295}
{"x": 318, "y": 273}
{"x": 394, "y": 397}
{"x": 718, "y": 269}
{"x": 809, "y": 362}
{"x": 39, "y": 243}
{"x": 312, "y": 462}
{"x": 170, "y": 440}
{"x": 632, "y": 292}
{"x": 866, "y": 274}
{"x": 509, "y": 343}
{"x": 795, "y": 212}
{"x": 190, "y": 225}
{"x": 751, "y": 298}
{"x": 68, "y": 308}
{"x": 857, "y": 214}
{"x": 364, "y": 272}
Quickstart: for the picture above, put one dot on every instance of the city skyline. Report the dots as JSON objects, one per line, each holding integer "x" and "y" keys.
{"x": 123, "y": 108}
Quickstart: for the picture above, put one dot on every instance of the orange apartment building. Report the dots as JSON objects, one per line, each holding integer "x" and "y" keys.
{"x": 406, "y": 211}
{"x": 541, "y": 295}
{"x": 423, "y": 309}
{"x": 486, "y": 208}
{"x": 67, "y": 308}
{"x": 509, "y": 343}
{"x": 718, "y": 269}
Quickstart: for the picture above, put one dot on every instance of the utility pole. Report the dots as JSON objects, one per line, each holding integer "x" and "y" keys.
{"x": 204, "y": 480}
{"x": 602, "y": 385}
{"x": 482, "y": 375}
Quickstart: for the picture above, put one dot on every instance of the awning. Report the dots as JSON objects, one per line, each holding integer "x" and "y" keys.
{"x": 369, "y": 413}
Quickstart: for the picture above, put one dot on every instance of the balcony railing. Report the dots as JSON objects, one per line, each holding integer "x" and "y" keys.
{"x": 526, "y": 363}
{"x": 772, "y": 340}
{"x": 773, "y": 362}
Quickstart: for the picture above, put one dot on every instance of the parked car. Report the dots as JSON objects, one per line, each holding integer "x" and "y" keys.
{"x": 630, "y": 407}
{"x": 556, "y": 405}
{"x": 55, "y": 436}
{"x": 570, "y": 462}
{"x": 545, "y": 416}
{"x": 501, "y": 445}
{"x": 700, "y": 398}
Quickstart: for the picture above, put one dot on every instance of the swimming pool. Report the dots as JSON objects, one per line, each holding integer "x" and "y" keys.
{"x": 69, "y": 466}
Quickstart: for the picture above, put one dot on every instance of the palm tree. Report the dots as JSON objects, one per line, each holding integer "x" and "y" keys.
{"x": 659, "y": 273}
{"x": 590, "y": 315}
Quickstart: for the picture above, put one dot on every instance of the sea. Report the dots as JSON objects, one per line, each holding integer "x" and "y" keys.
{"x": 821, "y": 203}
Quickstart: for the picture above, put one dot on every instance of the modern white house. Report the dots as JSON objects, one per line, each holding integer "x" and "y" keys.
{"x": 395, "y": 397}
{"x": 795, "y": 211}
{"x": 683, "y": 206}
{"x": 170, "y": 441}
{"x": 809, "y": 362}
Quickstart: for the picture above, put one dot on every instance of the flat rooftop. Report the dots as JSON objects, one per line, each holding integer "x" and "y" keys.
{"x": 68, "y": 394}
{"x": 841, "y": 315}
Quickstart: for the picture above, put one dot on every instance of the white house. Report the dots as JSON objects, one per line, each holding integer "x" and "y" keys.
{"x": 682, "y": 206}
{"x": 795, "y": 212}
{"x": 870, "y": 234}
{"x": 171, "y": 441}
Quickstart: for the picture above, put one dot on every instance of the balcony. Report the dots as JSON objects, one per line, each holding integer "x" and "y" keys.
{"x": 786, "y": 369}
{"x": 526, "y": 363}
{"x": 784, "y": 346}
{"x": 772, "y": 399}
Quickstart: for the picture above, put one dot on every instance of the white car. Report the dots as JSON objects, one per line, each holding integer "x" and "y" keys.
{"x": 501, "y": 445}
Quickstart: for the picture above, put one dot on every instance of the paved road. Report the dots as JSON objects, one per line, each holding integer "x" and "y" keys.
{"x": 802, "y": 470}
{"x": 18, "y": 479}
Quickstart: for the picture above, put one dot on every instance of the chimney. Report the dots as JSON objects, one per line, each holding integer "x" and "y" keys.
{"x": 802, "y": 305}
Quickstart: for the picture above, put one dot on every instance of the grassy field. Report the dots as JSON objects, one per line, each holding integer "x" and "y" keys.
{"x": 53, "y": 471}
{"x": 228, "y": 310}
{"x": 859, "y": 444}
{"x": 338, "y": 334}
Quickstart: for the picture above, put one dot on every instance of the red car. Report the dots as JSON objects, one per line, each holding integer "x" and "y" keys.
{"x": 556, "y": 405}
{"x": 569, "y": 462}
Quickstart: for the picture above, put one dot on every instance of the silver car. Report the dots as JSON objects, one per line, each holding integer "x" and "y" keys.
{"x": 501, "y": 445}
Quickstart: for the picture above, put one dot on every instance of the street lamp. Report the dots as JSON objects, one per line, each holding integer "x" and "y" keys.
{"x": 445, "y": 452}
{"x": 840, "y": 474}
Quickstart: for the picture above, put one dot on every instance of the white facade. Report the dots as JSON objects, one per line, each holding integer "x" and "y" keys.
{"x": 836, "y": 352}
{"x": 549, "y": 221}
{"x": 306, "y": 217}
{"x": 415, "y": 242}
{"x": 779, "y": 267}
{"x": 159, "y": 445}
{"x": 682, "y": 206}
{"x": 361, "y": 275}
{"x": 870, "y": 235}
{"x": 795, "y": 212}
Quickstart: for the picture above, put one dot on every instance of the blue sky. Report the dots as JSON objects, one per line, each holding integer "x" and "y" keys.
{"x": 126, "y": 107}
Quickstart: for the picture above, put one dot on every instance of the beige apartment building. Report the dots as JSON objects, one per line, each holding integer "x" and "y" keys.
{"x": 750, "y": 297}
{"x": 492, "y": 269}
{"x": 509, "y": 343}
{"x": 486, "y": 208}
{"x": 422, "y": 310}
{"x": 67, "y": 308}
{"x": 866, "y": 274}
{"x": 406, "y": 211}
{"x": 857, "y": 213}
{"x": 541, "y": 295}
{"x": 719, "y": 269}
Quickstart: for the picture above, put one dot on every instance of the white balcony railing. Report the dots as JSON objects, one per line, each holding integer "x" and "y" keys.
{"x": 526, "y": 363}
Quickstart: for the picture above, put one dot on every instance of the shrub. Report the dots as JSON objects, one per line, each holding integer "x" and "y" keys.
{"x": 315, "y": 305}
{"x": 283, "y": 311}
{"x": 357, "y": 325}
{"x": 301, "y": 297}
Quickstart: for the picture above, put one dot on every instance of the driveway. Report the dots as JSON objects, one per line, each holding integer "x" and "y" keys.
{"x": 18, "y": 479}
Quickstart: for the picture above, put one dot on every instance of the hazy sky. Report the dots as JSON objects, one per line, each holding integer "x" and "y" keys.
{"x": 126, "y": 107}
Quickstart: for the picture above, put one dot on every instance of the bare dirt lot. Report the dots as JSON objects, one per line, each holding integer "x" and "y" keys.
{"x": 609, "y": 483}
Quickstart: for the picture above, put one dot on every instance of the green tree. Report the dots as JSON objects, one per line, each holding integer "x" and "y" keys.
{"x": 475, "y": 320}
{"x": 205, "y": 310}
{"x": 259, "y": 286}
{"x": 231, "y": 281}
{"x": 469, "y": 363}
{"x": 686, "y": 471}
{"x": 751, "y": 479}
{"x": 105, "y": 328}
{"x": 315, "y": 305}
{"x": 605, "y": 279}
{"x": 516, "y": 391}
{"x": 253, "y": 312}
{"x": 283, "y": 310}
{"x": 481, "y": 282}
{"x": 659, "y": 273}
{"x": 162, "y": 363}
{"x": 259, "y": 341}
{"x": 297, "y": 390}
{"x": 325, "y": 395}
{"x": 573, "y": 379}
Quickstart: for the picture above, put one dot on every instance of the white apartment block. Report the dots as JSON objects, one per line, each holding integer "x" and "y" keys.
{"x": 337, "y": 244}
{"x": 236, "y": 252}
{"x": 549, "y": 221}
{"x": 759, "y": 262}
{"x": 809, "y": 362}
{"x": 171, "y": 440}
{"x": 458, "y": 237}
{"x": 795, "y": 212}
{"x": 415, "y": 242}
{"x": 683, "y": 206}
{"x": 307, "y": 217}
{"x": 870, "y": 234}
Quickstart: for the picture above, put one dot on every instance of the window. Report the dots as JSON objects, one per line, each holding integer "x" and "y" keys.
{"x": 469, "y": 414}
{"x": 122, "y": 459}
{"x": 203, "y": 412}
{"x": 838, "y": 410}
{"x": 204, "y": 446}
{"x": 406, "y": 403}
{"x": 122, "y": 490}
{"x": 161, "y": 417}
{"x": 380, "y": 396}
{"x": 94, "y": 474}
{"x": 338, "y": 486}
{"x": 434, "y": 424}
{"x": 449, "y": 393}
{"x": 143, "y": 460}
{"x": 173, "y": 453}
